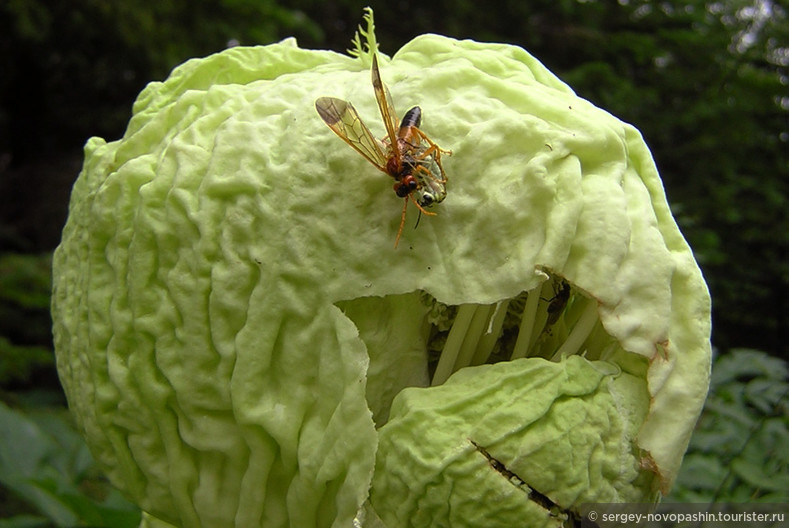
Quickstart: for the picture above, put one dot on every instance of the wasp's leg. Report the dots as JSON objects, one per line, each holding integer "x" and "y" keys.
{"x": 434, "y": 148}
{"x": 435, "y": 152}
{"x": 402, "y": 222}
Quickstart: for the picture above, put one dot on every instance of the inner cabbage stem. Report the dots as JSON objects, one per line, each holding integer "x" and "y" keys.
{"x": 447, "y": 361}
{"x": 552, "y": 321}
{"x": 487, "y": 341}
{"x": 579, "y": 334}
{"x": 527, "y": 325}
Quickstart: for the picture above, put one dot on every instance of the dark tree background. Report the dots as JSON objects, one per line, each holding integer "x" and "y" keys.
{"x": 705, "y": 82}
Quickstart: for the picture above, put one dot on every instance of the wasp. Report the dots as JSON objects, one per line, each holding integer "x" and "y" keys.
{"x": 405, "y": 153}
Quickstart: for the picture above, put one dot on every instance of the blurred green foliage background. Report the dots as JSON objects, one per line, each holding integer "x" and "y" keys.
{"x": 706, "y": 82}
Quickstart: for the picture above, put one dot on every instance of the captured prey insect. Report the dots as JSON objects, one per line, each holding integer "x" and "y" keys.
{"x": 405, "y": 153}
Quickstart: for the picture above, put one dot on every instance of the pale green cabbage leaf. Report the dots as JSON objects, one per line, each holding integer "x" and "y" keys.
{"x": 232, "y": 323}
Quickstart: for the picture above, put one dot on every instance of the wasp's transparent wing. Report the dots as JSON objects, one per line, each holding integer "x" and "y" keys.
{"x": 384, "y": 99}
{"x": 342, "y": 117}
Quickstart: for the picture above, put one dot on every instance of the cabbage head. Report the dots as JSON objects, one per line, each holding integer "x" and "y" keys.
{"x": 242, "y": 346}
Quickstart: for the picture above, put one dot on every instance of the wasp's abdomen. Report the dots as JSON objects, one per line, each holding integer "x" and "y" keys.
{"x": 412, "y": 118}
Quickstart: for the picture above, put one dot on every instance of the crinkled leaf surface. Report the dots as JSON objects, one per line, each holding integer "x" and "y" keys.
{"x": 198, "y": 285}
{"x": 511, "y": 441}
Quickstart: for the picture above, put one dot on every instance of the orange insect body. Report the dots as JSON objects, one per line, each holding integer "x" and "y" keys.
{"x": 406, "y": 153}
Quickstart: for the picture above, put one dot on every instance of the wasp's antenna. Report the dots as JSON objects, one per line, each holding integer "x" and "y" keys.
{"x": 365, "y": 50}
